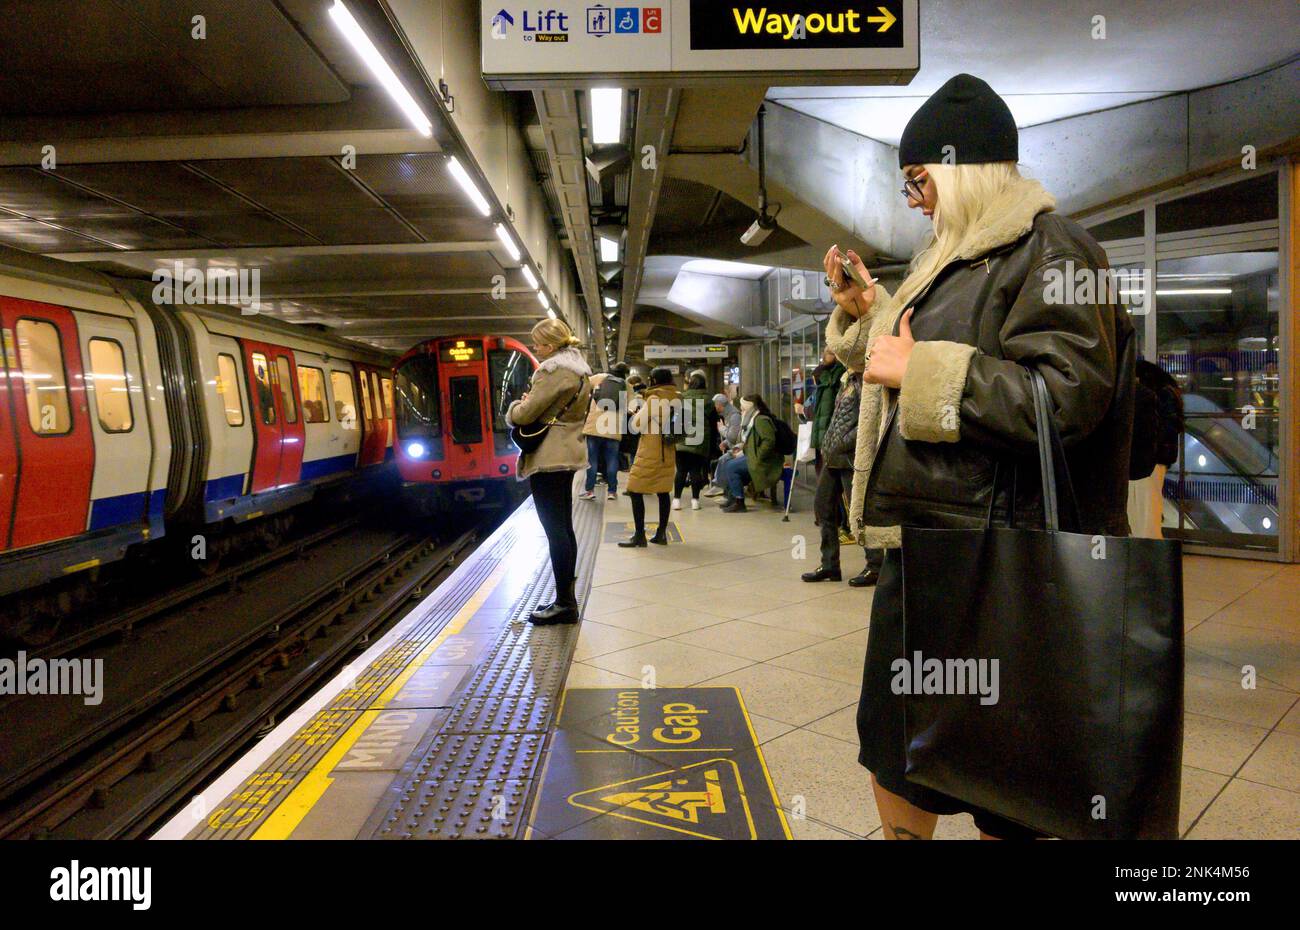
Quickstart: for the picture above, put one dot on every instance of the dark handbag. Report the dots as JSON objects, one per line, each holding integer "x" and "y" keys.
{"x": 528, "y": 438}
{"x": 1084, "y": 740}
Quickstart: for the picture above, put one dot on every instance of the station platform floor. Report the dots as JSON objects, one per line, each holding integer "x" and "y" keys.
{"x": 708, "y": 692}
{"x": 727, "y": 608}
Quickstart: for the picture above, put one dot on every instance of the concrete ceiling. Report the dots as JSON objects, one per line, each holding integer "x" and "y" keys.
{"x": 228, "y": 152}
{"x": 1042, "y": 57}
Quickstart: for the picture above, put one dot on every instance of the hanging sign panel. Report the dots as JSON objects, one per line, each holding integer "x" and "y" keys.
{"x": 574, "y": 42}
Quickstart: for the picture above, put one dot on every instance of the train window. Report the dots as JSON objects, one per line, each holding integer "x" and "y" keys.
{"x": 388, "y": 396}
{"x": 40, "y": 355}
{"x": 286, "y": 389}
{"x": 345, "y": 399}
{"x": 509, "y": 372}
{"x": 228, "y": 389}
{"x": 265, "y": 396}
{"x": 417, "y": 398}
{"x": 367, "y": 405}
{"x": 311, "y": 381}
{"x": 112, "y": 393}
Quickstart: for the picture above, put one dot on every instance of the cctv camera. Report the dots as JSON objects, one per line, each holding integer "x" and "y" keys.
{"x": 758, "y": 231}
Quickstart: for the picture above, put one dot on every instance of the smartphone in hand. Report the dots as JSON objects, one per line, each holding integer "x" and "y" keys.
{"x": 851, "y": 272}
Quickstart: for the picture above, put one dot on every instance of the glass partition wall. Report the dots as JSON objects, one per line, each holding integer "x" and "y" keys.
{"x": 1210, "y": 314}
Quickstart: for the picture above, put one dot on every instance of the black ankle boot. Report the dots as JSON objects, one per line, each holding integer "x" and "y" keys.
{"x": 865, "y": 579}
{"x": 564, "y": 610}
{"x": 660, "y": 538}
{"x": 636, "y": 542}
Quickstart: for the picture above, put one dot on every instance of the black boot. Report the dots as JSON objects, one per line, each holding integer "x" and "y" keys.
{"x": 865, "y": 579}
{"x": 564, "y": 610}
{"x": 636, "y": 542}
{"x": 735, "y": 505}
{"x": 823, "y": 574}
{"x": 660, "y": 538}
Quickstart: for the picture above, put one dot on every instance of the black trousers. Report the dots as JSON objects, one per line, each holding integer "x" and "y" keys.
{"x": 828, "y": 505}
{"x": 553, "y": 497}
{"x": 692, "y": 468}
{"x": 638, "y": 512}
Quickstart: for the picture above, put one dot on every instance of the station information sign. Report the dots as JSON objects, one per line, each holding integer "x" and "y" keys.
{"x": 716, "y": 353}
{"x": 573, "y": 42}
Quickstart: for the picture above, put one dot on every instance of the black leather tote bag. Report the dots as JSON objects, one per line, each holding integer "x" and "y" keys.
{"x": 1077, "y": 730}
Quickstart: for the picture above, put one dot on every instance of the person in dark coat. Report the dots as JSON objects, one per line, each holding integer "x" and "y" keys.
{"x": 947, "y": 393}
{"x": 827, "y": 376}
{"x": 833, "y": 484}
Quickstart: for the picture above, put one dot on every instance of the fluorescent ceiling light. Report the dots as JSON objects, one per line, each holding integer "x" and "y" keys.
{"x": 530, "y": 277}
{"x": 606, "y": 115}
{"x": 1199, "y": 291}
{"x": 611, "y": 302}
{"x": 353, "y": 32}
{"x": 541, "y": 297}
{"x": 467, "y": 184}
{"x": 608, "y": 249}
{"x": 508, "y": 241}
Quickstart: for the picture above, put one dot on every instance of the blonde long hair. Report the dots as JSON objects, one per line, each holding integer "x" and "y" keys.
{"x": 965, "y": 193}
{"x": 555, "y": 333}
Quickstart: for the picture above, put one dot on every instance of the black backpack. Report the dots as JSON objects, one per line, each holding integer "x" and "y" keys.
{"x": 787, "y": 443}
{"x": 1157, "y": 420}
{"x": 674, "y": 431}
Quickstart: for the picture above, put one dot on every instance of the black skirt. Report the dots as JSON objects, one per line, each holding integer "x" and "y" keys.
{"x": 880, "y": 711}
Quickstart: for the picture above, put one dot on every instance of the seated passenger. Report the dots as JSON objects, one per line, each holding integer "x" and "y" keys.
{"x": 728, "y": 438}
{"x": 756, "y": 461}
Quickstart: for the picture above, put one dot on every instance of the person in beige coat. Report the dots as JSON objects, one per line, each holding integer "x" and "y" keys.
{"x": 559, "y": 392}
{"x": 655, "y": 466}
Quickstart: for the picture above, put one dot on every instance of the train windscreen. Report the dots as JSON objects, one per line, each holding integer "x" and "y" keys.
{"x": 509, "y": 371}
{"x": 416, "y": 384}
{"x": 466, "y": 411}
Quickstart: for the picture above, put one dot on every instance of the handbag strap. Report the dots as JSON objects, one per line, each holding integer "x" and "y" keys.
{"x": 1054, "y": 469}
{"x": 1057, "y": 488}
{"x": 582, "y": 381}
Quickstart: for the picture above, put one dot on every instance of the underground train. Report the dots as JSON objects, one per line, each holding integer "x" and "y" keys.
{"x": 453, "y": 445}
{"x": 122, "y": 420}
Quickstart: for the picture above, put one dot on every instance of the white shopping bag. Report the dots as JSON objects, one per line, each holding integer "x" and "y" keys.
{"x": 805, "y": 451}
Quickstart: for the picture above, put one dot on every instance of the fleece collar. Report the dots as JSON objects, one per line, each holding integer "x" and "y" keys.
{"x": 568, "y": 358}
{"x": 1008, "y": 216}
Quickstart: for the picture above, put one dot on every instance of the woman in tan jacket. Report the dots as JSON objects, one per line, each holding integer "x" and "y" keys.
{"x": 655, "y": 465}
{"x": 560, "y": 391}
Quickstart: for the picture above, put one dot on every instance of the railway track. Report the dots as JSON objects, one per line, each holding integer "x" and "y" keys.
{"x": 115, "y": 774}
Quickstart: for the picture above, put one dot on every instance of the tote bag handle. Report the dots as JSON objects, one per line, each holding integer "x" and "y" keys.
{"x": 1058, "y": 489}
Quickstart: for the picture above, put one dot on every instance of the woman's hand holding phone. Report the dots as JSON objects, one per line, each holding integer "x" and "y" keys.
{"x": 851, "y": 297}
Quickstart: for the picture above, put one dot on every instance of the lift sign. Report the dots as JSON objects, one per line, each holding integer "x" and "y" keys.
{"x": 794, "y": 24}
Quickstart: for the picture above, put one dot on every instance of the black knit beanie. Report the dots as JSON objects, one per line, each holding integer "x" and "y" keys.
{"x": 966, "y": 114}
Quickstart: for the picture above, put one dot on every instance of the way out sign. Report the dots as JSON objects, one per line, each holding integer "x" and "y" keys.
{"x": 662, "y": 763}
{"x": 686, "y": 42}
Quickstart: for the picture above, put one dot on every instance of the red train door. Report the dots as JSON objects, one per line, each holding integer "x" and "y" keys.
{"x": 293, "y": 434}
{"x": 278, "y": 430}
{"x": 48, "y": 435}
{"x": 267, "y": 430}
{"x": 374, "y": 437}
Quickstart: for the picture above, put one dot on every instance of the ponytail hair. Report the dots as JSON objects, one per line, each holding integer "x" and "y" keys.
{"x": 556, "y": 333}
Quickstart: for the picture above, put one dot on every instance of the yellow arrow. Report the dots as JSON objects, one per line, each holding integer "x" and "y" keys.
{"x": 887, "y": 20}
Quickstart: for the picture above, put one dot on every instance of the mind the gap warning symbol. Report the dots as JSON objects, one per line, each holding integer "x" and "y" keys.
{"x": 668, "y": 763}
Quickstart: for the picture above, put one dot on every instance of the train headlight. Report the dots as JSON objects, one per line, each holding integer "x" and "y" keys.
{"x": 415, "y": 450}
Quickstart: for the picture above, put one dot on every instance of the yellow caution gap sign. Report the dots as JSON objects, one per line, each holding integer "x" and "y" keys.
{"x": 656, "y": 764}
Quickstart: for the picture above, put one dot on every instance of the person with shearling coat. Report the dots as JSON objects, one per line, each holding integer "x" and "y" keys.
{"x": 947, "y": 392}
{"x": 560, "y": 391}
{"x": 655, "y": 465}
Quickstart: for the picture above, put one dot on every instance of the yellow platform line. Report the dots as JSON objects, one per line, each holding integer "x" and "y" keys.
{"x": 307, "y": 793}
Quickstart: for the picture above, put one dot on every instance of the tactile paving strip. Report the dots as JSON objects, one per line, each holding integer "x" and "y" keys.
{"x": 477, "y": 776}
